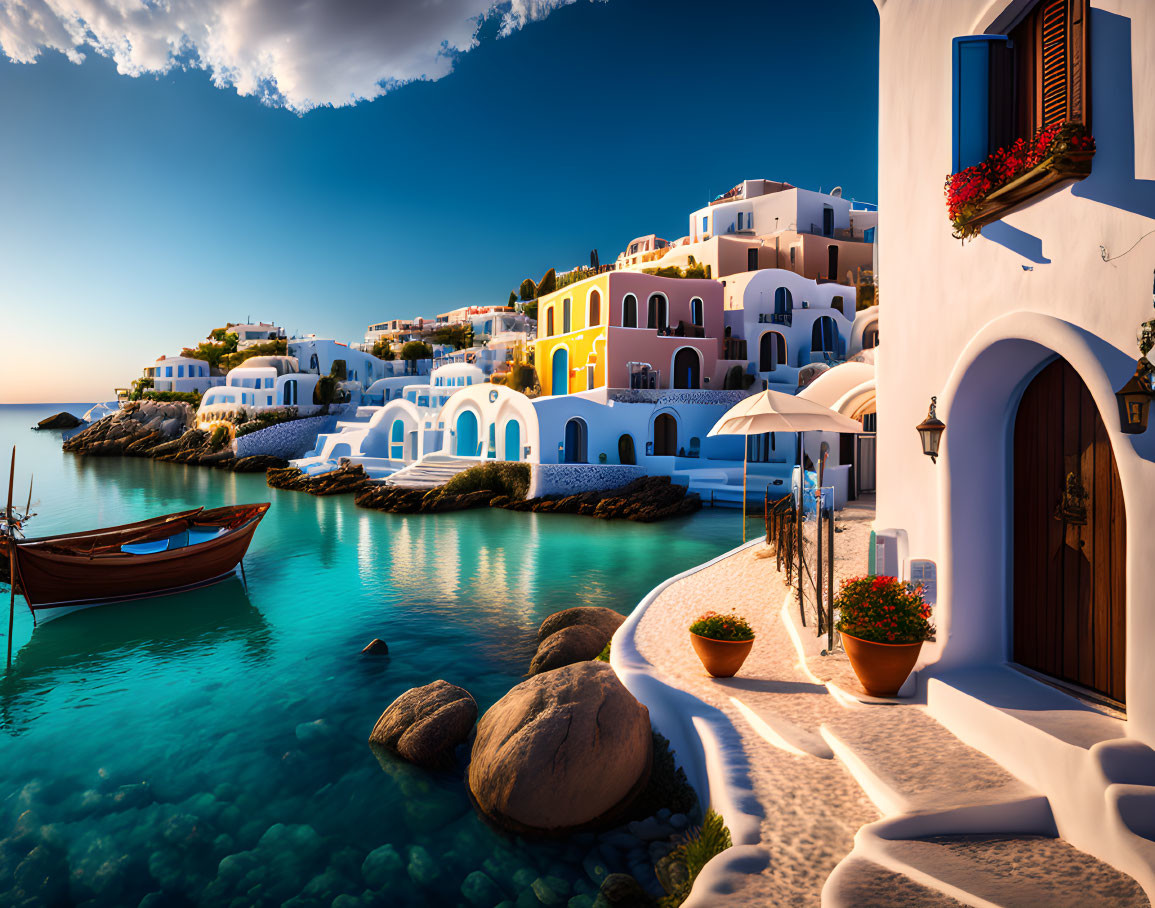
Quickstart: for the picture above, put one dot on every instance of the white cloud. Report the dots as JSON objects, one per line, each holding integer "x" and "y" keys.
{"x": 297, "y": 53}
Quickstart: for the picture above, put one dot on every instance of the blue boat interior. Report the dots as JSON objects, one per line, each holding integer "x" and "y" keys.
{"x": 182, "y": 540}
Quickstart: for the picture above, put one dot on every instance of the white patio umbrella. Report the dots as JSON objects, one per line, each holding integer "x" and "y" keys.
{"x": 775, "y": 411}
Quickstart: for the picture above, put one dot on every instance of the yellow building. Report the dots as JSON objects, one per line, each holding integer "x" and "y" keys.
{"x": 574, "y": 319}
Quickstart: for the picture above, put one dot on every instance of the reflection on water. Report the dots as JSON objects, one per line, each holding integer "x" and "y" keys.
{"x": 212, "y": 745}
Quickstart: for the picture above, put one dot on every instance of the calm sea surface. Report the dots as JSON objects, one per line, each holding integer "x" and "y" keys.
{"x": 211, "y": 748}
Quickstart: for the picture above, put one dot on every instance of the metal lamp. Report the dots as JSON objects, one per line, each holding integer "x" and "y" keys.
{"x": 930, "y": 432}
{"x": 1135, "y": 397}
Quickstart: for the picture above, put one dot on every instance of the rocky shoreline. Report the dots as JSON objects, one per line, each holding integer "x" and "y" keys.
{"x": 162, "y": 431}
{"x": 646, "y": 500}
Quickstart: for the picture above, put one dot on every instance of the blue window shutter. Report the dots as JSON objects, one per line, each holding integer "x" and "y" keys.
{"x": 971, "y": 99}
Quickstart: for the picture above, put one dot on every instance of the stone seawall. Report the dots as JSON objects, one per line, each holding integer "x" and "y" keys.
{"x": 572, "y": 478}
{"x": 285, "y": 440}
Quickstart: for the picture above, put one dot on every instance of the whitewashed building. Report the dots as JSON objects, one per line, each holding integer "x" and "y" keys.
{"x": 1031, "y": 518}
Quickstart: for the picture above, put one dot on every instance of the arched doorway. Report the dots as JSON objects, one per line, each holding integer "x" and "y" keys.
{"x": 657, "y": 312}
{"x": 1070, "y": 537}
{"x": 467, "y": 440}
{"x": 630, "y": 311}
{"x": 824, "y": 335}
{"x": 771, "y": 351}
{"x": 575, "y": 441}
{"x": 559, "y": 380}
{"x": 687, "y": 368}
{"x": 665, "y": 435}
{"x": 397, "y": 440}
{"x": 626, "y": 453}
{"x": 595, "y": 309}
{"x": 513, "y": 440}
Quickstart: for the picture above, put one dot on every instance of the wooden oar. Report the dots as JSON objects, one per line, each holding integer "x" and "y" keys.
{"x": 11, "y": 556}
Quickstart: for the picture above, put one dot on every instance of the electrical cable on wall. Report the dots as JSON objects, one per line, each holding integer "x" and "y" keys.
{"x": 1111, "y": 258}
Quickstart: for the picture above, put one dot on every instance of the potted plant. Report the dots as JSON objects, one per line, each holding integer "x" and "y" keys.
{"x": 722, "y": 642}
{"x": 883, "y": 623}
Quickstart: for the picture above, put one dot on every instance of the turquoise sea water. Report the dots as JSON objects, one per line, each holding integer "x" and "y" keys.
{"x": 211, "y": 748}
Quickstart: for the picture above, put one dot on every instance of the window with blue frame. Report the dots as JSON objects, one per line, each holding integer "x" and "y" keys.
{"x": 1008, "y": 86}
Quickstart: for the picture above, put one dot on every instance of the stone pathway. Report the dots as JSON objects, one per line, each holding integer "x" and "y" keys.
{"x": 825, "y": 762}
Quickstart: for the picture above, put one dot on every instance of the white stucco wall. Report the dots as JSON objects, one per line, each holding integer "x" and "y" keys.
{"x": 973, "y": 323}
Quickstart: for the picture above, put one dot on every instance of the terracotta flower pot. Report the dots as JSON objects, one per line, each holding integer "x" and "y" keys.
{"x": 722, "y": 658}
{"x": 881, "y": 667}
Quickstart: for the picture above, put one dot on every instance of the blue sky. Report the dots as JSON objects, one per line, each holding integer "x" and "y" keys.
{"x": 137, "y": 213}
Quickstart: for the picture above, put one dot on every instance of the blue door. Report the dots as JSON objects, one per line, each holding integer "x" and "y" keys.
{"x": 466, "y": 434}
{"x": 559, "y": 383}
{"x": 575, "y": 441}
{"x": 513, "y": 440}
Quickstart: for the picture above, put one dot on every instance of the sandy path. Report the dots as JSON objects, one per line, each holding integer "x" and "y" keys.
{"x": 813, "y": 806}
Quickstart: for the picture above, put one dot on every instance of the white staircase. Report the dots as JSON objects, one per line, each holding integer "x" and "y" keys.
{"x": 430, "y": 472}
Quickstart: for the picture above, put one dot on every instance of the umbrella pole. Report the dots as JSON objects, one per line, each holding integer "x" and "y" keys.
{"x": 745, "y": 452}
{"x": 799, "y": 512}
{"x": 10, "y": 540}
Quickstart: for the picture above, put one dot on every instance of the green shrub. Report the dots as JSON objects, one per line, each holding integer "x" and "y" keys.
{"x": 266, "y": 418}
{"x": 218, "y": 438}
{"x": 528, "y": 290}
{"x": 232, "y": 360}
{"x": 188, "y": 397}
{"x": 696, "y": 850}
{"x": 548, "y": 283}
{"x": 722, "y": 627}
{"x": 502, "y": 478}
{"x": 604, "y": 655}
{"x": 512, "y": 299}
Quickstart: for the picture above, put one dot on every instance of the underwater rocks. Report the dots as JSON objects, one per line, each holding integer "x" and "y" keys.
{"x": 60, "y": 421}
{"x": 566, "y": 749}
{"x": 133, "y": 430}
{"x": 646, "y": 500}
{"x": 346, "y": 478}
{"x": 425, "y": 724}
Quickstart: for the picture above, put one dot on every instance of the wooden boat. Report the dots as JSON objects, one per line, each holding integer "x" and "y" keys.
{"x": 169, "y": 554}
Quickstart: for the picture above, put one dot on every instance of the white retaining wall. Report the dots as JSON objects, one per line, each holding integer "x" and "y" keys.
{"x": 571, "y": 478}
{"x": 285, "y": 440}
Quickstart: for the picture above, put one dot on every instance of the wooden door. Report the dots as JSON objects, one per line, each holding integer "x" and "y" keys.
{"x": 1070, "y": 535}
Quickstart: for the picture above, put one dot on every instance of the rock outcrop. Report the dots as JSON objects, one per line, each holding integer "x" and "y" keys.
{"x": 576, "y": 643}
{"x": 605, "y": 619}
{"x": 425, "y": 724}
{"x": 573, "y": 635}
{"x": 60, "y": 421}
{"x": 134, "y": 430}
{"x": 346, "y": 478}
{"x": 647, "y": 499}
{"x": 566, "y": 749}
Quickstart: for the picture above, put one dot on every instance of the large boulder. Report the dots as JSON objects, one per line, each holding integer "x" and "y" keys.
{"x": 425, "y": 724}
{"x": 567, "y": 749}
{"x": 576, "y": 643}
{"x": 60, "y": 421}
{"x": 605, "y": 619}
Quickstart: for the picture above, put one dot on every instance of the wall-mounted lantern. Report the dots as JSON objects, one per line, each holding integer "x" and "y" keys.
{"x": 1135, "y": 397}
{"x": 930, "y": 432}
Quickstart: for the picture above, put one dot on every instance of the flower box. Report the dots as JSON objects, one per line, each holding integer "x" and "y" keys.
{"x": 982, "y": 194}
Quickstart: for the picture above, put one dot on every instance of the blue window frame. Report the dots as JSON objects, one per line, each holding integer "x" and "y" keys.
{"x": 976, "y": 58}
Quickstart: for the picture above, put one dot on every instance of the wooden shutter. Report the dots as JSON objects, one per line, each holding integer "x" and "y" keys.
{"x": 1051, "y": 50}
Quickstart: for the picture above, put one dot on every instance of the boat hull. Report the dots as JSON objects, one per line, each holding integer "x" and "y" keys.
{"x": 48, "y": 611}
{"x": 57, "y": 575}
